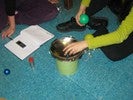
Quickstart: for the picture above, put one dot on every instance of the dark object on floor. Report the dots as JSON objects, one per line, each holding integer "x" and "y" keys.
{"x": 6, "y": 71}
{"x": 70, "y": 25}
{"x": 97, "y": 22}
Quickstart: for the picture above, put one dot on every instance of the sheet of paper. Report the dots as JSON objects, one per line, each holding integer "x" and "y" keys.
{"x": 28, "y": 41}
{"x": 38, "y": 34}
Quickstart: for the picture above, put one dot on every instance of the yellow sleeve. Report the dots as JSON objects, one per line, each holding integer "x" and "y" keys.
{"x": 86, "y": 2}
{"x": 116, "y": 37}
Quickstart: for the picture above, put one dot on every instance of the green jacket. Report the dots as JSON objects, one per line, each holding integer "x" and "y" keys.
{"x": 115, "y": 37}
{"x": 86, "y": 2}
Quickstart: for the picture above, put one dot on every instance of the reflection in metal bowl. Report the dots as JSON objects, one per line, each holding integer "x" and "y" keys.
{"x": 58, "y": 45}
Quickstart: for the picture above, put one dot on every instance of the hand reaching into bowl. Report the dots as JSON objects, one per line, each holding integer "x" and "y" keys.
{"x": 75, "y": 47}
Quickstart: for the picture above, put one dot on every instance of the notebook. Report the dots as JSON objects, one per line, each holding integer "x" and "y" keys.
{"x": 29, "y": 40}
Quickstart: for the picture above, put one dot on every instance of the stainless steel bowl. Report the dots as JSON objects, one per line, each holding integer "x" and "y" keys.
{"x": 58, "y": 45}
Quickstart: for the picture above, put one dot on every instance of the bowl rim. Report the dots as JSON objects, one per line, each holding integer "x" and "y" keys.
{"x": 70, "y": 58}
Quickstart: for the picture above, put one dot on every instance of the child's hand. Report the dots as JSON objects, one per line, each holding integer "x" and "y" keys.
{"x": 8, "y": 32}
{"x": 75, "y": 47}
{"x": 80, "y": 12}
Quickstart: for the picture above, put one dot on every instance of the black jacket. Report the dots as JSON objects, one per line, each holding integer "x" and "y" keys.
{"x": 121, "y": 7}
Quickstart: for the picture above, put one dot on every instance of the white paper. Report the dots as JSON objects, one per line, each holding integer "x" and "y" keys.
{"x": 29, "y": 40}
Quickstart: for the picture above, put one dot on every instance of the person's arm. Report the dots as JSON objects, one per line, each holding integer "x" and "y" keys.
{"x": 10, "y": 6}
{"x": 85, "y": 2}
{"x": 118, "y": 36}
{"x": 115, "y": 37}
{"x": 11, "y": 29}
{"x": 82, "y": 9}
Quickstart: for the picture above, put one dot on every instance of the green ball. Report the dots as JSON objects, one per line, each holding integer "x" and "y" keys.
{"x": 84, "y": 19}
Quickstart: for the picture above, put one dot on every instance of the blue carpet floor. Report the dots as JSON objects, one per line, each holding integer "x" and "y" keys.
{"x": 97, "y": 78}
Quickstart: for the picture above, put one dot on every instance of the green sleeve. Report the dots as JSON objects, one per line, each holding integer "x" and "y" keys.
{"x": 85, "y": 2}
{"x": 116, "y": 37}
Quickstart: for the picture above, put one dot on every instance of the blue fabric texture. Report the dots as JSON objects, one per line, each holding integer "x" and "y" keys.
{"x": 97, "y": 78}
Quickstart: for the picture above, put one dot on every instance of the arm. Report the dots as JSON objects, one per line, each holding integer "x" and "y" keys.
{"x": 10, "y": 10}
{"x": 10, "y": 7}
{"x": 11, "y": 29}
{"x": 118, "y": 36}
{"x": 82, "y": 9}
{"x": 115, "y": 37}
{"x": 85, "y": 2}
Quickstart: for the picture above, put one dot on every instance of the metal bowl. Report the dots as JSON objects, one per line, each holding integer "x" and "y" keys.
{"x": 58, "y": 45}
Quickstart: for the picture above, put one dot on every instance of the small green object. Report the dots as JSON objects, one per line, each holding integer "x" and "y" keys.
{"x": 84, "y": 19}
{"x": 67, "y": 67}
